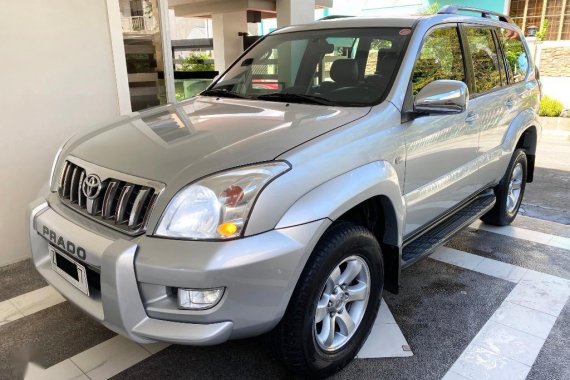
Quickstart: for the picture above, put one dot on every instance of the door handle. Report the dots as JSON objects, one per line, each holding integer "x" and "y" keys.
{"x": 509, "y": 103}
{"x": 471, "y": 117}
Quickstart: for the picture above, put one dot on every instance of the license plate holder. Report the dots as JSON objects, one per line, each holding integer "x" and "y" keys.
{"x": 71, "y": 270}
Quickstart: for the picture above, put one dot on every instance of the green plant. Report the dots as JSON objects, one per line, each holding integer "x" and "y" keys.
{"x": 550, "y": 107}
{"x": 431, "y": 9}
{"x": 197, "y": 62}
{"x": 543, "y": 30}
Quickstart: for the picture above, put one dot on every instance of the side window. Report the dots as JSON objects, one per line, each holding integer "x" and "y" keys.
{"x": 485, "y": 59}
{"x": 440, "y": 58}
{"x": 515, "y": 54}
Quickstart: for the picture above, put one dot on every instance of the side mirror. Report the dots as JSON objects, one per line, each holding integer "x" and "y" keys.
{"x": 442, "y": 97}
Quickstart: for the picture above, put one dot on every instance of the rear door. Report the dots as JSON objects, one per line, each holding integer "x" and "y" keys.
{"x": 490, "y": 99}
{"x": 441, "y": 150}
{"x": 516, "y": 95}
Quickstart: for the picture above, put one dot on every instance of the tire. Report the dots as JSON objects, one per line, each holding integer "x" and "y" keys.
{"x": 508, "y": 199}
{"x": 304, "y": 348}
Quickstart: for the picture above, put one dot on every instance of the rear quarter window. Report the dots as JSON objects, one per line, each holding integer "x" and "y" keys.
{"x": 515, "y": 55}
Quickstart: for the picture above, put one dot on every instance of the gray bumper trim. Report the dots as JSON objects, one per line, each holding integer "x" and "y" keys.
{"x": 184, "y": 333}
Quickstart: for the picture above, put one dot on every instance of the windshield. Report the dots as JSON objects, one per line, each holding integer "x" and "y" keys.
{"x": 349, "y": 67}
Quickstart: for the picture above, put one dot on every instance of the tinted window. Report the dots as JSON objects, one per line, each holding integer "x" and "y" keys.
{"x": 485, "y": 59}
{"x": 515, "y": 54}
{"x": 440, "y": 58}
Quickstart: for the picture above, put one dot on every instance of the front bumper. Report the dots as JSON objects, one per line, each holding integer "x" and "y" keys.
{"x": 137, "y": 277}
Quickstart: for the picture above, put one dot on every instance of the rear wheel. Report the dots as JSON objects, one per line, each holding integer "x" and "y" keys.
{"x": 334, "y": 304}
{"x": 509, "y": 192}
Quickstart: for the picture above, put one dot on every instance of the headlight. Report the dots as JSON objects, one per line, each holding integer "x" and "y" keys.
{"x": 217, "y": 207}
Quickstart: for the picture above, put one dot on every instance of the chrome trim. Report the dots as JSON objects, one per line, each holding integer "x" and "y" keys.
{"x": 91, "y": 208}
{"x": 110, "y": 195}
{"x": 123, "y": 202}
{"x": 74, "y": 189}
{"x": 442, "y": 97}
{"x": 81, "y": 198}
{"x": 137, "y": 208}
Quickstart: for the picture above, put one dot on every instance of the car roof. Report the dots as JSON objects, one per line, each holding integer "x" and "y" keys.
{"x": 390, "y": 21}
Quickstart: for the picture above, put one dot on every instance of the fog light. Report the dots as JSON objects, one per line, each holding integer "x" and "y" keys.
{"x": 199, "y": 299}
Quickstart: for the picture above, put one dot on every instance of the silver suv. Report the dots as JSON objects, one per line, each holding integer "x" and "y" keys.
{"x": 289, "y": 194}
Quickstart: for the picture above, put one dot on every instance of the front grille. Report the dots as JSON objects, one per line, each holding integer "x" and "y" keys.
{"x": 118, "y": 203}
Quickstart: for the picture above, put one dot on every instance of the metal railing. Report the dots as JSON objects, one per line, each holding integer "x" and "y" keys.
{"x": 139, "y": 24}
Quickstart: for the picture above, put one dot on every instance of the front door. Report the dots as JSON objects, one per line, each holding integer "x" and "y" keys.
{"x": 441, "y": 165}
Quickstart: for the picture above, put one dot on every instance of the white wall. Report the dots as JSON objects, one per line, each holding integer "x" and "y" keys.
{"x": 57, "y": 78}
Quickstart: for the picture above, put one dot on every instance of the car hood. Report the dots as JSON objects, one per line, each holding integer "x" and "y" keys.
{"x": 206, "y": 135}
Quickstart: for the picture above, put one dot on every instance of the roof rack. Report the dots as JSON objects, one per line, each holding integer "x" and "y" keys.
{"x": 333, "y": 17}
{"x": 453, "y": 9}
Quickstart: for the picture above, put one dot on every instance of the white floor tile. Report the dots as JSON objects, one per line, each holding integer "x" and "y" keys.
{"x": 64, "y": 370}
{"x": 501, "y": 270}
{"x": 8, "y": 312}
{"x": 37, "y": 300}
{"x": 385, "y": 341}
{"x": 457, "y": 258}
{"x": 453, "y": 376}
{"x": 522, "y": 318}
{"x": 110, "y": 357}
{"x": 477, "y": 363}
{"x": 532, "y": 275}
{"x": 560, "y": 242}
{"x": 384, "y": 314}
{"x": 546, "y": 295}
{"x": 153, "y": 348}
{"x": 516, "y": 232}
{"x": 509, "y": 342}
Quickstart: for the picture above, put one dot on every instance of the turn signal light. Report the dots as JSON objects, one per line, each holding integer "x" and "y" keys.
{"x": 227, "y": 229}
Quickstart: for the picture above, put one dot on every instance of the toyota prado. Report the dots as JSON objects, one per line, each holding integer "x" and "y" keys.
{"x": 297, "y": 186}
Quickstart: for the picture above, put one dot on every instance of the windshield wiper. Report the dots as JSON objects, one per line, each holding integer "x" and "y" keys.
{"x": 296, "y": 98}
{"x": 224, "y": 93}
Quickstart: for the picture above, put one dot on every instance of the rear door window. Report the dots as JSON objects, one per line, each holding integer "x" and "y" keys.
{"x": 485, "y": 60}
{"x": 515, "y": 55}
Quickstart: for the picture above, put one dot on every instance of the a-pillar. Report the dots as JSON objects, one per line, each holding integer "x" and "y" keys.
{"x": 228, "y": 45}
{"x": 293, "y": 12}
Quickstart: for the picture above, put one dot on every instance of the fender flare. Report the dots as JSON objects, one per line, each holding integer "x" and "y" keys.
{"x": 521, "y": 123}
{"x": 335, "y": 197}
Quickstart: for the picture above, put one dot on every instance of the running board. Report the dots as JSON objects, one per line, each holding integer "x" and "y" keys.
{"x": 428, "y": 242}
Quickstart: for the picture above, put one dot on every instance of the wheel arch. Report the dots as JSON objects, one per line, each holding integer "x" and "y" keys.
{"x": 369, "y": 195}
{"x": 524, "y": 132}
{"x": 528, "y": 141}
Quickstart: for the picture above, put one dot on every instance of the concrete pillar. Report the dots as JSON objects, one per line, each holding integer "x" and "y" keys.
{"x": 292, "y": 12}
{"x": 228, "y": 45}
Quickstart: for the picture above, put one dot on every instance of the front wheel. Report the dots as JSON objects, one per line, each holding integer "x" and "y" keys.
{"x": 334, "y": 304}
{"x": 509, "y": 192}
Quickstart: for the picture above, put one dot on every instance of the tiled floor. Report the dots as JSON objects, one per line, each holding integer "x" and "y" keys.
{"x": 486, "y": 306}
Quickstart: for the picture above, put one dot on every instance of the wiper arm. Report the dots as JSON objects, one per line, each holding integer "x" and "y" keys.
{"x": 292, "y": 97}
{"x": 224, "y": 93}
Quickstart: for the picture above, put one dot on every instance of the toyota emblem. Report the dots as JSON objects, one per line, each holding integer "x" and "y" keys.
{"x": 91, "y": 186}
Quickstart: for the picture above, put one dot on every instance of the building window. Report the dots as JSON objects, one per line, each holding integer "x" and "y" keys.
{"x": 532, "y": 13}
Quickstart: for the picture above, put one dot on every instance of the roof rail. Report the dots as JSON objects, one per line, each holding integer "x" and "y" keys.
{"x": 333, "y": 17}
{"x": 453, "y": 9}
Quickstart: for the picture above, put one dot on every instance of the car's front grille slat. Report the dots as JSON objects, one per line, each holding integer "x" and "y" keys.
{"x": 73, "y": 193}
{"x": 121, "y": 204}
{"x": 121, "y": 213}
{"x": 80, "y": 195}
{"x": 65, "y": 181}
{"x": 136, "y": 217}
{"x": 109, "y": 200}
